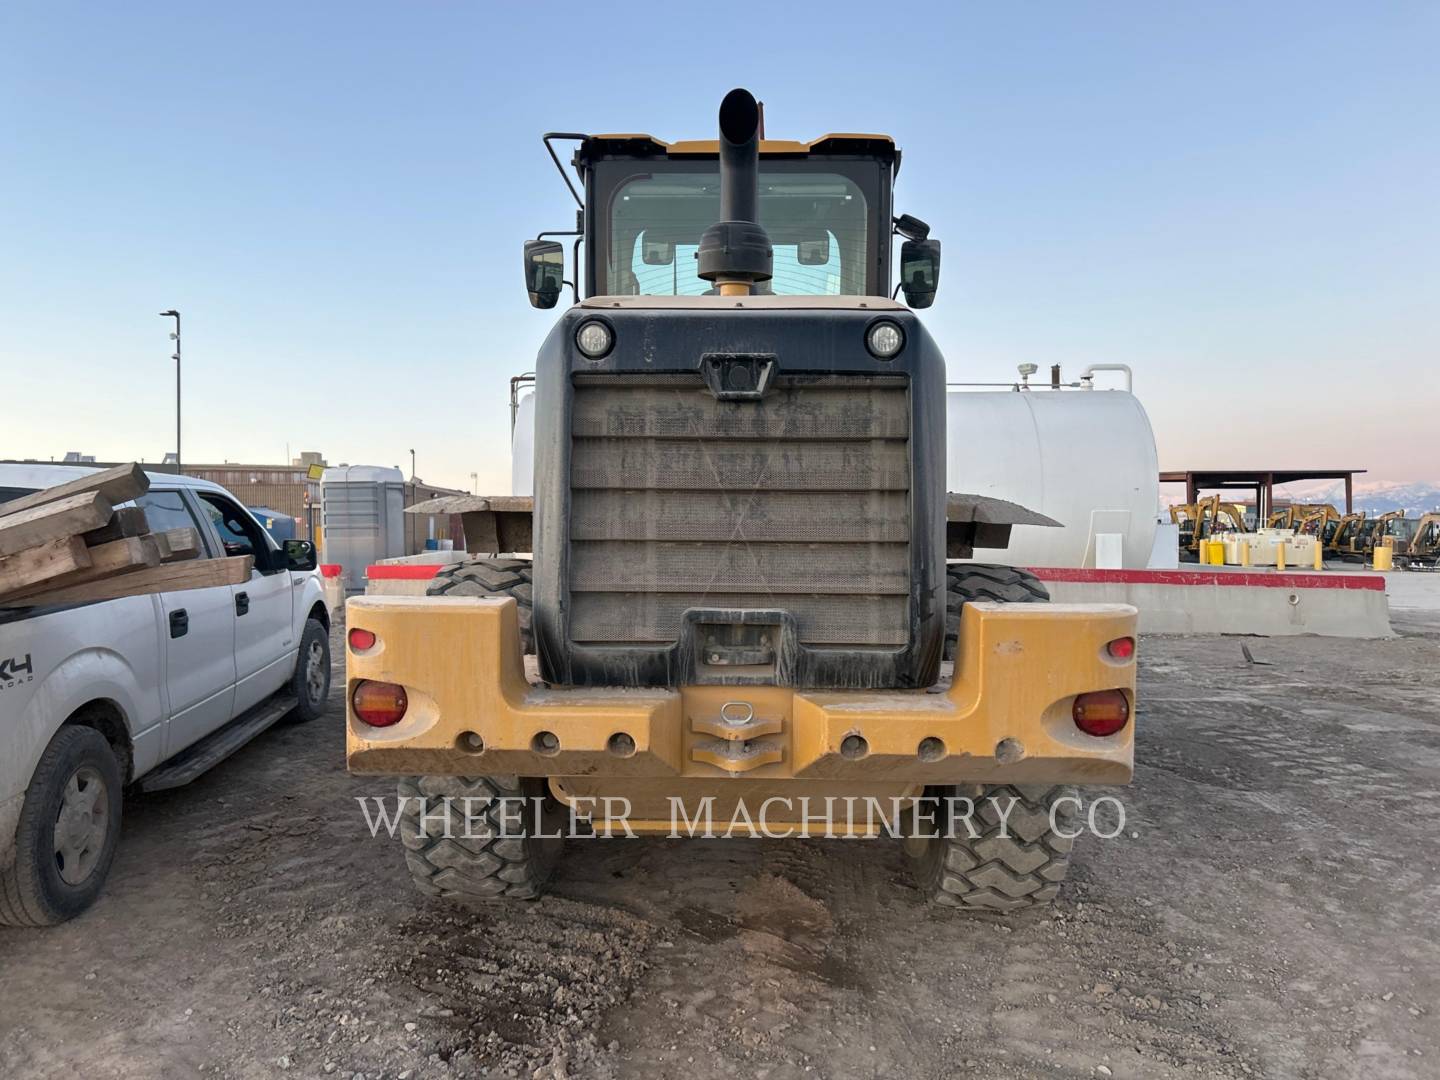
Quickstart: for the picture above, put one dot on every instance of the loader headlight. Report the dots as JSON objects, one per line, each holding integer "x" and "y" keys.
{"x": 594, "y": 338}
{"x": 884, "y": 339}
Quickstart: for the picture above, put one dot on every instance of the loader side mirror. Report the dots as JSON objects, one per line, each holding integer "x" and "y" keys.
{"x": 920, "y": 271}
{"x": 544, "y": 272}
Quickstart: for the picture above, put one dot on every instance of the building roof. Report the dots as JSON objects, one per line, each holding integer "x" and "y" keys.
{"x": 1251, "y": 477}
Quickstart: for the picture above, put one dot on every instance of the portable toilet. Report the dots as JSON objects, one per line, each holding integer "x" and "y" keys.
{"x": 362, "y": 510}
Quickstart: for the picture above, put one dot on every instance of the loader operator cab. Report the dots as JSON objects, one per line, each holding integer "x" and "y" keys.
{"x": 826, "y": 206}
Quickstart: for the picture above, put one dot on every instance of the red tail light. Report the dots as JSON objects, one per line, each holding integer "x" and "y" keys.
{"x": 360, "y": 640}
{"x": 379, "y": 704}
{"x": 1102, "y": 713}
{"x": 1122, "y": 648}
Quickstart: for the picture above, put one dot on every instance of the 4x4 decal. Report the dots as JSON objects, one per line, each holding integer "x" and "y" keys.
{"x": 16, "y": 669}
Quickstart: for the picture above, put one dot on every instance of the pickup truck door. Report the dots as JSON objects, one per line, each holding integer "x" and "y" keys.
{"x": 264, "y": 628}
{"x": 197, "y": 633}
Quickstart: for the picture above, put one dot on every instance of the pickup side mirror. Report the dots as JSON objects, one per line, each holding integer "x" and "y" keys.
{"x": 920, "y": 271}
{"x": 544, "y": 272}
{"x": 298, "y": 555}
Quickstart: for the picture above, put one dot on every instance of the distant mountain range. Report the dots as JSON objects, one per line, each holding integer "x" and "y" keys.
{"x": 1378, "y": 497}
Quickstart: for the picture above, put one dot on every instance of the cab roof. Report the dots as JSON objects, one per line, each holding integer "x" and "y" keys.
{"x": 38, "y": 475}
{"x": 640, "y": 145}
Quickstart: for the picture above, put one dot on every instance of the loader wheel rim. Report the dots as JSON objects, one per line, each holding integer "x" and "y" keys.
{"x": 81, "y": 825}
{"x": 315, "y": 673}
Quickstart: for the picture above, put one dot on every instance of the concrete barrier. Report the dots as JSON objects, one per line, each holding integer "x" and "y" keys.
{"x": 1214, "y": 601}
{"x": 1210, "y": 601}
{"x": 401, "y": 578}
{"x": 426, "y": 558}
{"x": 332, "y": 584}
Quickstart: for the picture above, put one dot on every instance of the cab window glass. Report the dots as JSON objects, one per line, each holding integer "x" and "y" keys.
{"x": 238, "y": 533}
{"x": 165, "y": 510}
{"x": 817, "y": 223}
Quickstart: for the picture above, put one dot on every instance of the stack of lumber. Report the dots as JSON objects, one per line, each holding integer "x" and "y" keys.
{"x": 70, "y": 545}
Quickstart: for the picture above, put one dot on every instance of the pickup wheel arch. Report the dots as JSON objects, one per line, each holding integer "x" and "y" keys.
{"x": 106, "y": 717}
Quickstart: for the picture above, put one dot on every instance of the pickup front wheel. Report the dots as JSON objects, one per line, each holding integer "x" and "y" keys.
{"x": 68, "y": 830}
{"x": 311, "y": 681}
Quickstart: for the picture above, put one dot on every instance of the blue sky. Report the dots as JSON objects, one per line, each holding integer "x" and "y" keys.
{"x": 1242, "y": 201}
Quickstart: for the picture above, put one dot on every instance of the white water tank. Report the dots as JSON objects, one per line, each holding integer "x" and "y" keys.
{"x": 1083, "y": 457}
{"x": 522, "y": 447}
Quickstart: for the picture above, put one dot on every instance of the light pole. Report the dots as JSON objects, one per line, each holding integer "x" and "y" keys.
{"x": 412, "y": 466}
{"x": 175, "y": 337}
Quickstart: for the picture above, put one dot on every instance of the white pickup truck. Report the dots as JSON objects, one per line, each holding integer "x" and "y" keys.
{"x": 148, "y": 690}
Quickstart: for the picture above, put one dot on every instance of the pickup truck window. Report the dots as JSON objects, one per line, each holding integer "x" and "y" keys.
{"x": 239, "y": 534}
{"x": 167, "y": 510}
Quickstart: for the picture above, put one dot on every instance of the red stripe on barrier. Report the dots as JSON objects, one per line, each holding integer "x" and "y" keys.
{"x": 330, "y": 569}
{"x": 402, "y": 571}
{"x": 1212, "y": 577}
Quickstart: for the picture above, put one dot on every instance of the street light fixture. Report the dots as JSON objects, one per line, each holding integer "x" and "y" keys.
{"x": 175, "y": 337}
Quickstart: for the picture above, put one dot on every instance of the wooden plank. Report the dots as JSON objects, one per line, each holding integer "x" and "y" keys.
{"x": 43, "y": 563}
{"x": 108, "y": 560}
{"x": 53, "y": 521}
{"x": 199, "y": 574}
{"x": 120, "y": 484}
{"x": 127, "y": 521}
{"x": 177, "y": 545}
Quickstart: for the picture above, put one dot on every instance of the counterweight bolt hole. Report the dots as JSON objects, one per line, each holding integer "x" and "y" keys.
{"x": 931, "y": 749}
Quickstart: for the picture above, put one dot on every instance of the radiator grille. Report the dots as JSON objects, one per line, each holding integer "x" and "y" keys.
{"x": 799, "y": 502}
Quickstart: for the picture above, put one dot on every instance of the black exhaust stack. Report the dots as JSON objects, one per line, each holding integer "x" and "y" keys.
{"x": 735, "y": 252}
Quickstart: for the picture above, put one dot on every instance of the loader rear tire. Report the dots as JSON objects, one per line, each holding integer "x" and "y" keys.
{"x": 491, "y": 577}
{"x": 965, "y": 582}
{"x": 1017, "y": 861}
{"x": 473, "y": 839}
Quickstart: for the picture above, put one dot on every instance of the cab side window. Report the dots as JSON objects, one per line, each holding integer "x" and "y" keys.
{"x": 238, "y": 533}
{"x": 165, "y": 510}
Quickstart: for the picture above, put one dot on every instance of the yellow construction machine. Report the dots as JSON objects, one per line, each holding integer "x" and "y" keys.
{"x": 736, "y": 608}
{"x": 1422, "y": 548}
{"x": 1200, "y": 520}
{"x": 1339, "y": 540}
{"x": 1296, "y": 514}
{"x": 1371, "y": 531}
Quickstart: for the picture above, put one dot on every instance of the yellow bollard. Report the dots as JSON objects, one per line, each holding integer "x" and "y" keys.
{"x": 1204, "y": 553}
{"x": 1280, "y": 555}
{"x": 1244, "y": 552}
{"x": 1319, "y": 555}
{"x": 1217, "y": 553}
{"x": 1384, "y": 557}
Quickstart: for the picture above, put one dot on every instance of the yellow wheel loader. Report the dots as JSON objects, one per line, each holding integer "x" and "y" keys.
{"x": 738, "y": 616}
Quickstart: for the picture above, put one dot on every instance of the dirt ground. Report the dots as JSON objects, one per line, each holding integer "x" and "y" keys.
{"x": 1271, "y": 910}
